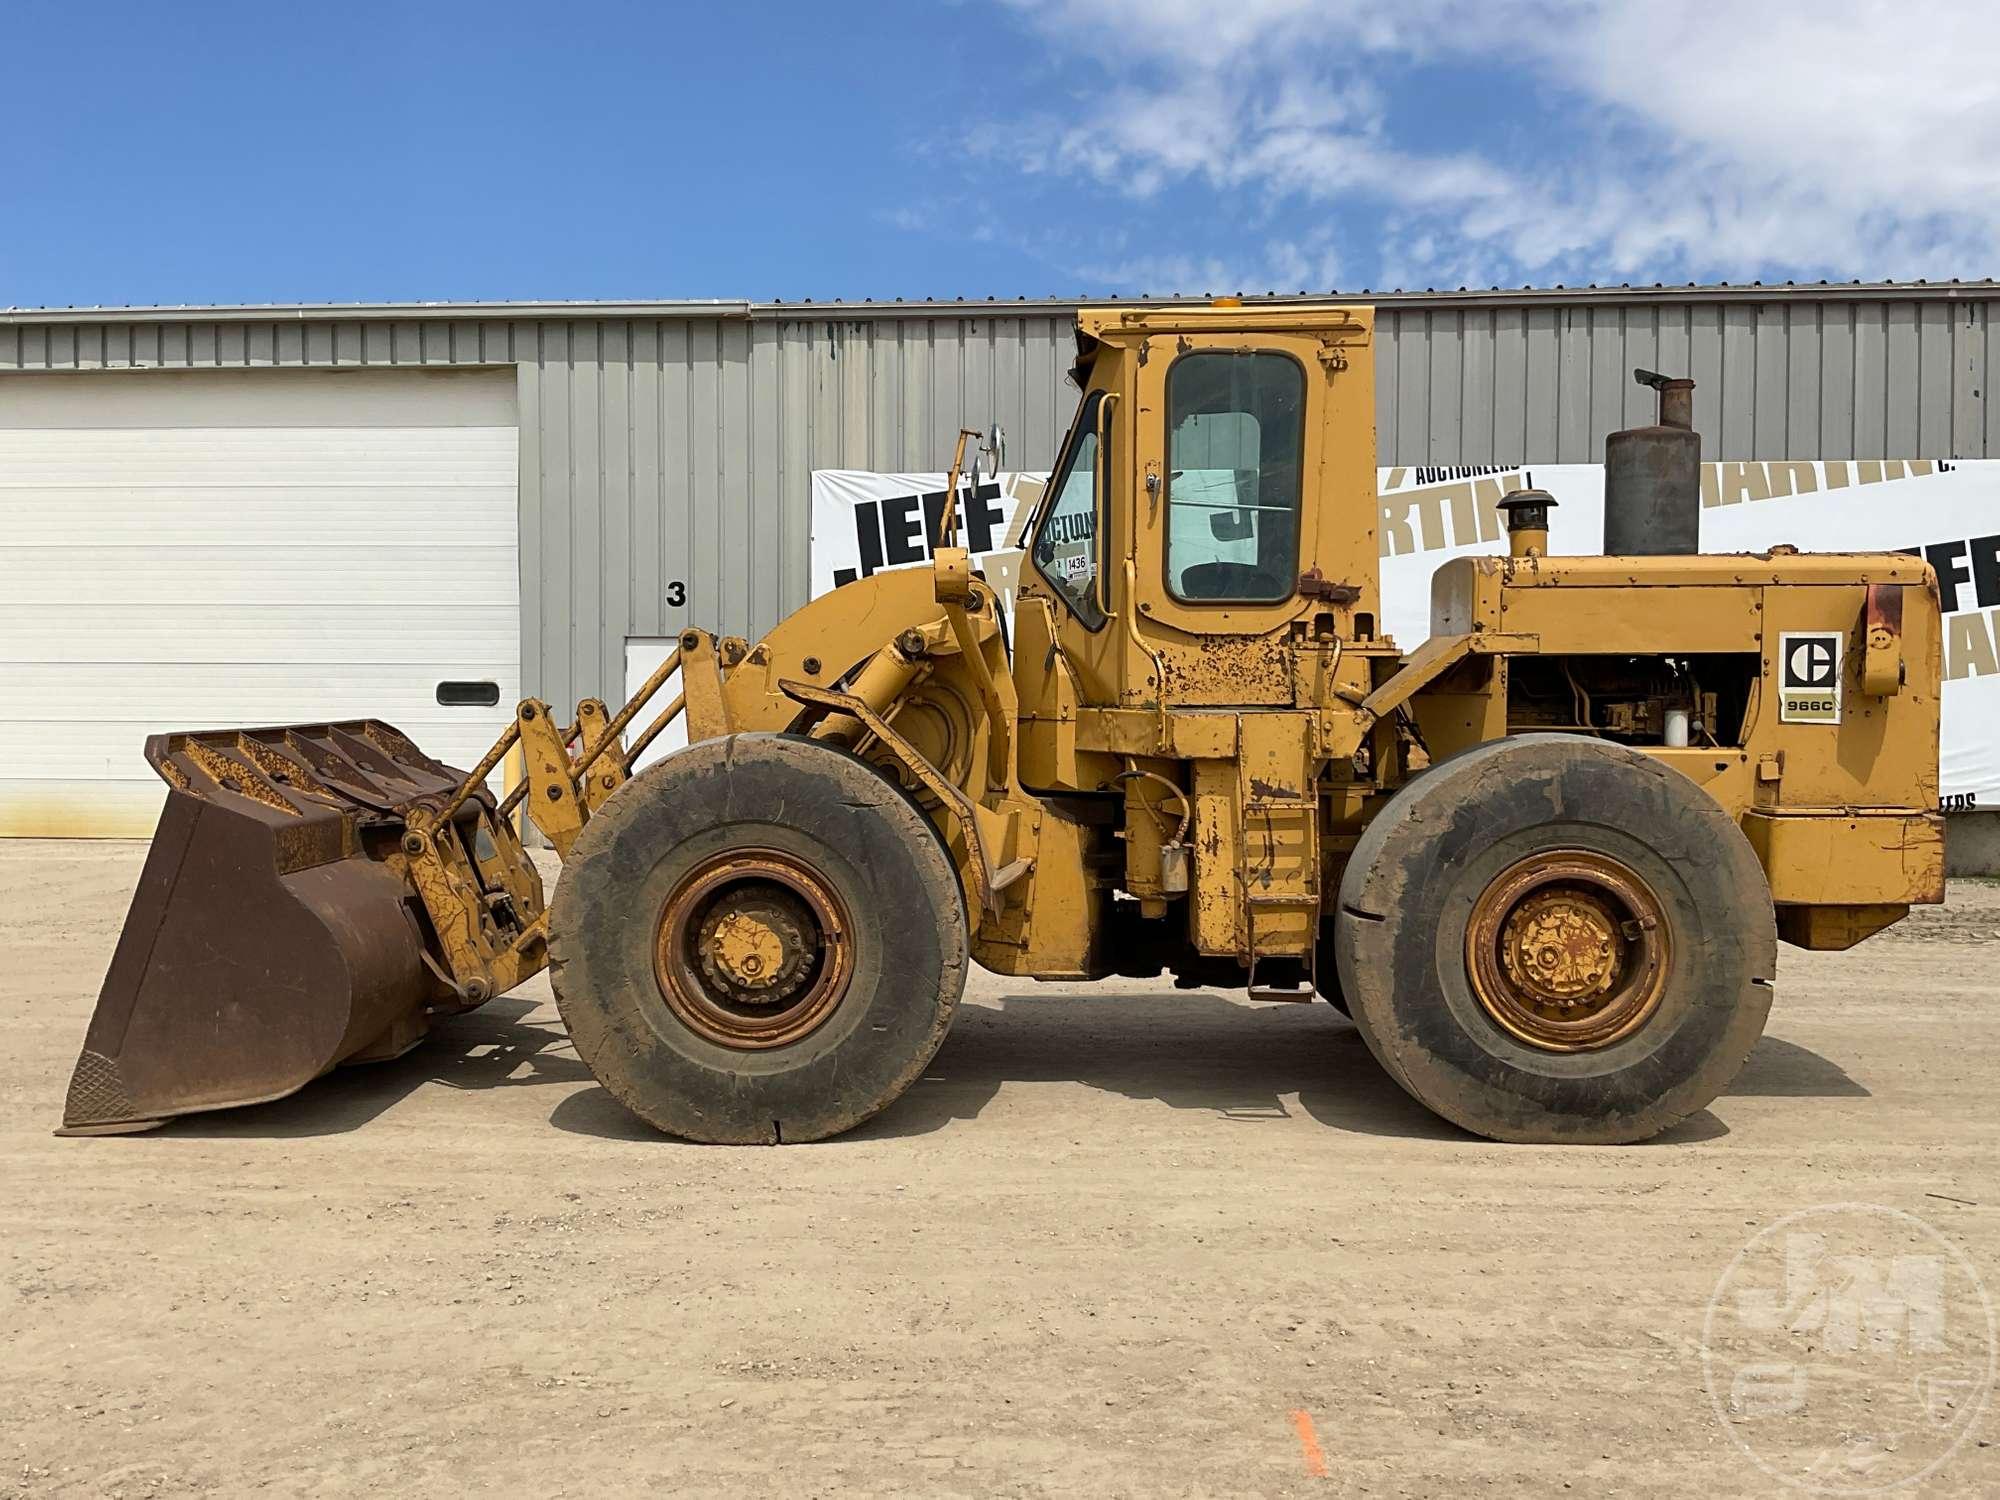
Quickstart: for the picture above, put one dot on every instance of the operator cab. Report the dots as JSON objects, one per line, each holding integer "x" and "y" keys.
{"x": 1216, "y": 486}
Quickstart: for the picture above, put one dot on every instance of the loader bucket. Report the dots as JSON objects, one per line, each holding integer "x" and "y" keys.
{"x": 275, "y": 933}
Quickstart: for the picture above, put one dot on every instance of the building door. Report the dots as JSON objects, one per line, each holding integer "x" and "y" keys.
{"x": 195, "y": 550}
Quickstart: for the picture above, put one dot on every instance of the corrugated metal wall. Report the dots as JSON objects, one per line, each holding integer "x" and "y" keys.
{"x": 1797, "y": 378}
{"x": 674, "y": 444}
{"x": 680, "y": 452}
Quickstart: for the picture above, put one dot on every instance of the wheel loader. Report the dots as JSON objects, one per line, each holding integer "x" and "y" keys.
{"x": 1543, "y": 860}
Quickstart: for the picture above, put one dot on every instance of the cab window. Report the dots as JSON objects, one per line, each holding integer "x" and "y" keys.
{"x": 1066, "y": 543}
{"x": 1235, "y": 448}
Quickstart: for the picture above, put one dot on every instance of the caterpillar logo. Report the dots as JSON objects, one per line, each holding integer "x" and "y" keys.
{"x": 1809, "y": 676}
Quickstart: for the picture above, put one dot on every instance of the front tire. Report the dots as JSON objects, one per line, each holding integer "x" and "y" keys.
{"x": 757, "y": 940}
{"x": 1551, "y": 938}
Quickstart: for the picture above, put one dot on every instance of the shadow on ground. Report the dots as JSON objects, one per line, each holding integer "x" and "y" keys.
{"x": 1191, "y": 1051}
{"x": 1779, "y": 1069}
{"x": 492, "y": 1047}
{"x": 1199, "y": 1052}
{"x": 1188, "y": 1050}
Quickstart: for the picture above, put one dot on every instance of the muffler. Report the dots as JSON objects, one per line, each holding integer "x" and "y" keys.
{"x": 1652, "y": 478}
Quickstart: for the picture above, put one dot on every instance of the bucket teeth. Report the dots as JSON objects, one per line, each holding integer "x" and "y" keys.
{"x": 356, "y": 765}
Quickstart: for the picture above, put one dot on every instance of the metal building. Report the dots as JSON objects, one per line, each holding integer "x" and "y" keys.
{"x": 173, "y": 481}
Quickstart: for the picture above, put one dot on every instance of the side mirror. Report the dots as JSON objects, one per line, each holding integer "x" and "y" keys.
{"x": 991, "y": 455}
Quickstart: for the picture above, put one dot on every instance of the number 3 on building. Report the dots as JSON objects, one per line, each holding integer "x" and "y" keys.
{"x": 677, "y": 593}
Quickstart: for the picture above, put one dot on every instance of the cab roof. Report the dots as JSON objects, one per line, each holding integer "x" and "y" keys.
{"x": 1225, "y": 315}
{"x": 1352, "y": 322}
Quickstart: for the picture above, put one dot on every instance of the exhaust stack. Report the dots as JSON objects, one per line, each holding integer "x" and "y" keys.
{"x": 1652, "y": 477}
{"x": 1527, "y": 514}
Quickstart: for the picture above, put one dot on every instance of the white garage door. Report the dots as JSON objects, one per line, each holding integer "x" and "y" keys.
{"x": 204, "y": 550}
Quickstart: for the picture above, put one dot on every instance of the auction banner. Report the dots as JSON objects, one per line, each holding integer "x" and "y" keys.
{"x": 1945, "y": 511}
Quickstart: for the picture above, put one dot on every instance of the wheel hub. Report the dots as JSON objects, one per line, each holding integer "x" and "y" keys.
{"x": 1562, "y": 945}
{"x": 753, "y": 949}
{"x": 756, "y": 943}
{"x": 1568, "y": 950}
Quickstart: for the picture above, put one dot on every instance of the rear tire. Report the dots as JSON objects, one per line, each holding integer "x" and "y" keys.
{"x": 758, "y": 940}
{"x": 1551, "y": 938}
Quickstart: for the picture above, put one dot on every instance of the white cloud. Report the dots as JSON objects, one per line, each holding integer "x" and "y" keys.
{"x": 1816, "y": 137}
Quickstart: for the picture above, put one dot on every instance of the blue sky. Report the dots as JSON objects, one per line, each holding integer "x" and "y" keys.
{"x": 201, "y": 153}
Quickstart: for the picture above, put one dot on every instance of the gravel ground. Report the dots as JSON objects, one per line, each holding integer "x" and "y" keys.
{"x": 1121, "y": 1240}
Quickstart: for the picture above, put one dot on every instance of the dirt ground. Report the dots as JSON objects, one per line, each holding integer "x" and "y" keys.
{"x": 1111, "y": 1245}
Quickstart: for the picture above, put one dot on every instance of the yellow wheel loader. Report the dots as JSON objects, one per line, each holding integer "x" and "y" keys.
{"x": 1543, "y": 860}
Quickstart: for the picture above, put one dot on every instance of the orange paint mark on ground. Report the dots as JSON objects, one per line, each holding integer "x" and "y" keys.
{"x": 1302, "y": 1423}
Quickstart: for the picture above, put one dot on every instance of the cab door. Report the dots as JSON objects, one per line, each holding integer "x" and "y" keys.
{"x": 1227, "y": 453}
{"x": 1237, "y": 431}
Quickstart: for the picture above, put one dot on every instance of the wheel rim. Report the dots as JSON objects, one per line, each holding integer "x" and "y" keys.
{"x": 753, "y": 949}
{"x": 1568, "y": 950}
